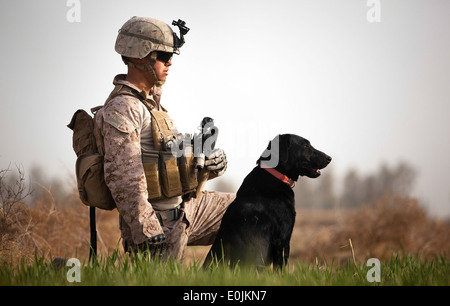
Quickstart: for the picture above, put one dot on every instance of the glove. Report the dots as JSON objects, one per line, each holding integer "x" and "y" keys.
{"x": 158, "y": 239}
{"x": 155, "y": 246}
{"x": 217, "y": 161}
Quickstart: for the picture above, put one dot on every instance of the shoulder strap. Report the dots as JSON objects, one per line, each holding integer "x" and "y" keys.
{"x": 125, "y": 90}
{"x": 121, "y": 89}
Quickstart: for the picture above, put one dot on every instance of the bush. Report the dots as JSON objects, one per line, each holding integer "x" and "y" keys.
{"x": 46, "y": 227}
{"x": 391, "y": 224}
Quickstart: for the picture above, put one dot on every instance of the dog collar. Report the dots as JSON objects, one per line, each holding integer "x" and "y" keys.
{"x": 279, "y": 175}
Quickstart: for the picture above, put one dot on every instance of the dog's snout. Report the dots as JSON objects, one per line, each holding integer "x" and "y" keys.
{"x": 328, "y": 158}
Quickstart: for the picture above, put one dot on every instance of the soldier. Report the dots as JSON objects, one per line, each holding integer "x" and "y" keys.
{"x": 126, "y": 123}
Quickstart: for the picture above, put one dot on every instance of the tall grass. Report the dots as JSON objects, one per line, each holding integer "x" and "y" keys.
{"x": 119, "y": 269}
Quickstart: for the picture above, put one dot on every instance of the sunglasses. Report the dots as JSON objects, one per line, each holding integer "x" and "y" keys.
{"x": 163, "y": 56}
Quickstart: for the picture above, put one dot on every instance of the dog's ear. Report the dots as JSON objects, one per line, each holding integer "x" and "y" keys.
{"x": 265, "y": 155}
{"x": 277, "y": 150}
{"x": 284, "y": 147}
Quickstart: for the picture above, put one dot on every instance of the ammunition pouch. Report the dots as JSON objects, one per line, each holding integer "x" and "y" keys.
{"x": 188, "y": 175}
{"x": 168, "y": 176}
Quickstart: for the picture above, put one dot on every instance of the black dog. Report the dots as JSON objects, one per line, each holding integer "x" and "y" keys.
{"x": 256, "y": 228}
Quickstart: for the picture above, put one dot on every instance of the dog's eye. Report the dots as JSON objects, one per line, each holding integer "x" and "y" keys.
{"x": 306, "y": 145}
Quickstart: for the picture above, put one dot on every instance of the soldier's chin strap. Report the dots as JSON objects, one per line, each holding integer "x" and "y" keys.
{"x": 149, "y": 66}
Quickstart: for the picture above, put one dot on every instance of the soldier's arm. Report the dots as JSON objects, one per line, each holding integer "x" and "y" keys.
{"x": 124, "y": 172}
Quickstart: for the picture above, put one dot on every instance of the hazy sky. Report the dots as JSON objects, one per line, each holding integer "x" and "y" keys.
{"x": 364, "y": 92}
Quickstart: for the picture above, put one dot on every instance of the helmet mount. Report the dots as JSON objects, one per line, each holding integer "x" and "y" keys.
{"x": 179, "y": 42}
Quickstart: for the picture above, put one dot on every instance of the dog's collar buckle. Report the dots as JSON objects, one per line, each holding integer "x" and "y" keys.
{"x": 290, "y": 182}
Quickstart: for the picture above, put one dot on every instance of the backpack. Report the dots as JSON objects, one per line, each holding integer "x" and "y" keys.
{"x": 91, "y": 184}
{"x": 87, "y": 143}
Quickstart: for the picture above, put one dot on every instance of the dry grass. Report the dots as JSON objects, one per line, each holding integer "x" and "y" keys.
{"x": 55, "y": 230}
{"x": 391, "y": 224}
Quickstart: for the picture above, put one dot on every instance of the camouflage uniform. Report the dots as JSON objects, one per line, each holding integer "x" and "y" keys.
{"x": 125, "y": 123}
{"x": 198, "y": 224}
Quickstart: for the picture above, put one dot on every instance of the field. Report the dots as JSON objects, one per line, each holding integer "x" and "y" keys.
{"x": 117, "y": 269}
{"x": 328, "y": 247}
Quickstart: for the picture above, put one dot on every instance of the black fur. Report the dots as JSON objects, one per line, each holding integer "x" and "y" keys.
{"x": 256, "y": 228}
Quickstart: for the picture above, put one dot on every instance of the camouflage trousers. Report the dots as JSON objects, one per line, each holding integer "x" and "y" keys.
{"x": 198, "y": 224}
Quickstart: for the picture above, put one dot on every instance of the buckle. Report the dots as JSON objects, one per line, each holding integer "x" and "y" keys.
{"x": 173, "y": 214}
{"x": 291, "y": 183}
{"x": 158, "y": 215}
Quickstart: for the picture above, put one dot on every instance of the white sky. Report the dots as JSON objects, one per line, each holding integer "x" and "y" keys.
{"x": 365, "y": 93}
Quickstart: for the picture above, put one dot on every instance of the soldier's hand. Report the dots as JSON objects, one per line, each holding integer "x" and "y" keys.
{"x": 217, "y": 161}
{"x": 155, "y": 246}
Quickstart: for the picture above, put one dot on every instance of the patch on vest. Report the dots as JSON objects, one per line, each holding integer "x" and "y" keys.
{"x": 170, "y": 124}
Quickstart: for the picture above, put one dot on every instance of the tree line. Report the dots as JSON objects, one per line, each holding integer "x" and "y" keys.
{"x": 326, "y": 192}
{"x": 355, "y": 189}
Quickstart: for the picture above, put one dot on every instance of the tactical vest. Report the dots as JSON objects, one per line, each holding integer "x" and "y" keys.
{"x": 166, "y": 174}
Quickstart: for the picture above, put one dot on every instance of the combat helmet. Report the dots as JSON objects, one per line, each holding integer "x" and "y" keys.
{"x": 140, "y": 36}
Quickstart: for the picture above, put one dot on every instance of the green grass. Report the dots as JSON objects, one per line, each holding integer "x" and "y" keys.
{"x": 117, "y": 269}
